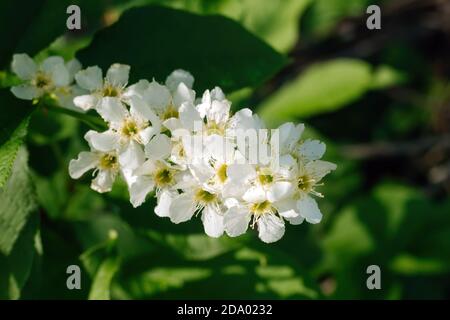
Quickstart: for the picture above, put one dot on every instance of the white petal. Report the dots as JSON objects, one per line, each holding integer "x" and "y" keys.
{"x": 26, "y": 92}
{"x": 173, "y": 124}
{"x": 183, "y": 94}
{"x": 217, "y": 94}
{"x": 146, "y": 134}
{"x": 139, "y": 190}
{"x": 245, "y": 119}
{"x": 255, "y": 194}
{"x": 164, "y": 201}
{"x": 73, "y": 66}
{"x": 131, "y": 155}
{"x": 270, "y": 228}
{"x": 318, "y": 169}
{"x": 112, "y": 110}
{"x": 212, "y": 222}
{"x": 85, "y": 162}
{"x": 157, "y": 96}
{"x": 103, "y": 181}
{"x": 240, "y": 173}
{"x": 50, "y": 63}
{"x": 279, "y": 190}
{"x": 201, "y": 171}
{"x": 219, "y": 148}
{"x": 142, "y": 110}
{"x": 137, "y": 89}
{"x": 129, "y": 176}
{"x": 287, "y": 208}
{"x": 102, "y": 141}
{"x": 23, "y": 66}
{"x": 236, "y": 221}
{"x": 159, "y": 147}
{"x": 179, "y": 76}
{"x": 60, "y": 75}
{"x": 312, "y": 149}
{"x": 219, "y": 111}
{"x": 189, "y": 116}
{"x": 308, "y": 208}
{"x": 90, "y": 78}
{"x": 117, "y": 74}
{"x": 296, "y": 220}
{"x": 182, "y": 208}
{"x": 85, "y": 102}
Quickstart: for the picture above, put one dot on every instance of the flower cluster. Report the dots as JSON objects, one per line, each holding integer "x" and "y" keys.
{"x": 192, "y": 153}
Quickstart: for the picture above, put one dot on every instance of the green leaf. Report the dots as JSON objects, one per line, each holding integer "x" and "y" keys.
{"x": 386, "y": 76}
{"x": 277, "y": 21}
{"x": 102, "y": 261}
{"x": 156, "y": 40}
{"x": 13, "y": 129}
{"x": 197, "y": 246}
{"x": 15, "y": 267}
{"x": 326, "y": 87}
{"x": 321, "y": 88}
{"x": 29, "y": 26}
{"x": 100, "y": 289}
{"x": 17, "y": 201}
{"x": 324, "y": 15}
{"x": 407, "y": 264}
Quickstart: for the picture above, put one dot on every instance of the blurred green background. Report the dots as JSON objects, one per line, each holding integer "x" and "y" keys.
{"x": 379, "y": 98}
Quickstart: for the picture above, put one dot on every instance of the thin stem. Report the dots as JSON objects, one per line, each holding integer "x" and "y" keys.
{"x": 94, "y": 122}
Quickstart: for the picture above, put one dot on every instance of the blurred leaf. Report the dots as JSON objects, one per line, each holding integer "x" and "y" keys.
{"x": 102, "y": 262}
{"x": 47, "y": 128}
{"x": 323, "y": 15}
{"x": 197, "y": 246}
{"x": 15, "y": 267}
{"x": 386, "y": 76}
{"x": 410, "y": 265}
{"x": 324, "y": 87}
{"x": 13, "y": 129}
{"x": 96, "y": 230}
{"x": 17, "y": 201}
{"x": 242, "y": 274}
{"x": 276, "y": 21}
{"x": 321, "y": 88}
{"x": 216, "y": 50}
{"x": 100, "y": 289}
{"x": 29, "y": 26}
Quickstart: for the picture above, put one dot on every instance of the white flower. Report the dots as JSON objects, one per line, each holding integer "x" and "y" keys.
{"x": 112, "y": 86}
{"x": 38, "y": 79}
{"x": 66, "y": 94}
{"x": 178, "y": 76}
{"x": 128, "y": 130}
{"x": 198, "y": 196}
{"x": 104, "y": 162}
{"x": 155, "y": 172}
{"x": 267, "y": 216}
{"x": 166, "y": 99}
{"x": 306, "y": 176}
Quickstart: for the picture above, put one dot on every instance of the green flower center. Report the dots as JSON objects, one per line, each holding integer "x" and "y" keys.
{"x": 261, "y": 207}
{"x": 163, "y": 177}
{"x": 222, "y": 173}
{"x": 130, "y": 128}
{"x": 305, "y": 184}
{"x": 108, "y": 162}
{"x": 265, "y": 179}
{"x": 214, "y": 128}
{"x": 170, "y": 112}
{"x": 42, "y": 80}
{"x": 204, "y": 196}
{"x": 110, "y": 91}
